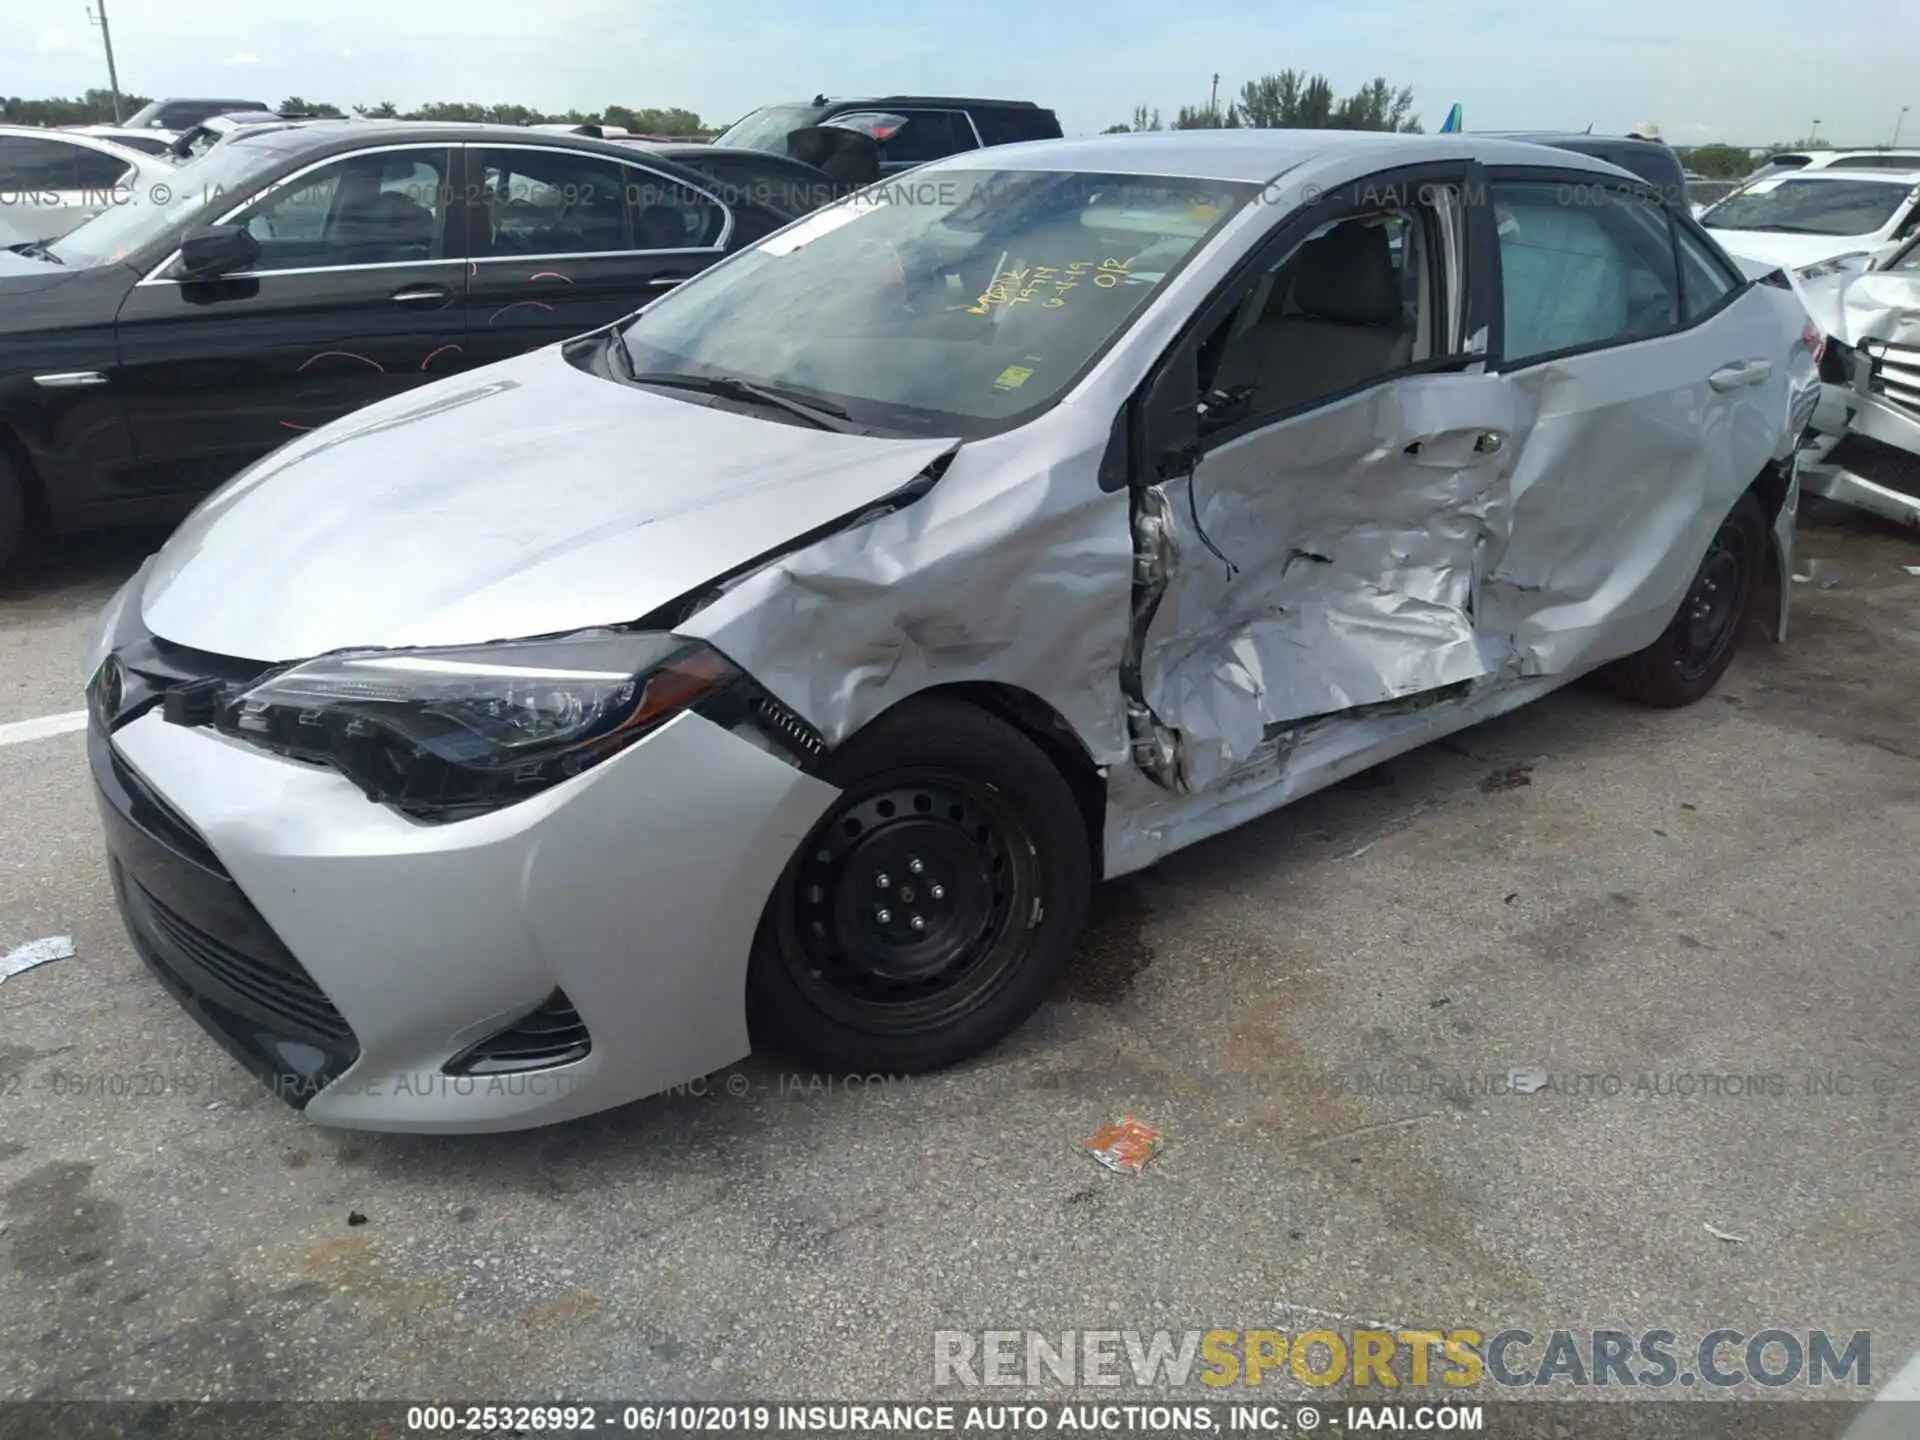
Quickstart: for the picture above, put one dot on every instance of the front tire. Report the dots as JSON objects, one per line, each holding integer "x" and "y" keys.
{"x": 1695, "y": 650}
{"x": 926, "y": 916}
{"x": 13, "y": 514}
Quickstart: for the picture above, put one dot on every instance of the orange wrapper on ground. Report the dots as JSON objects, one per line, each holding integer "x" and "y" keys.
{"x": 1124, "y": 1146}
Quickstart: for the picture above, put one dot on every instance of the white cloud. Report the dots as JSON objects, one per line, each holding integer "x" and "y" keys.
{"x": 243, "y": 57}
{"x": 54, "y": 38}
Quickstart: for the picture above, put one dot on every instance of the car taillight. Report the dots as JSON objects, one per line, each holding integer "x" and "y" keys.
{"x": 1815, "y": 339}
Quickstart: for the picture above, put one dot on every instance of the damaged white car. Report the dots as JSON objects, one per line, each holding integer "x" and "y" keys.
{"x": 1866, "y": 450}
{"x": 787, "y": 662}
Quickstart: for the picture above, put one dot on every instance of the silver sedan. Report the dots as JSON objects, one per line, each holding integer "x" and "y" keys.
{"x": 784, "y": 664}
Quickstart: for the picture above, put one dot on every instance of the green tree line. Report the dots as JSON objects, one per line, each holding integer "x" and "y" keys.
{"x": 95, "y": 107}
{"x": 1292, "y": 100}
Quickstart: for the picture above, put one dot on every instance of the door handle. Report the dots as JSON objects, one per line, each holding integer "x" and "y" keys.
{"x": 1747, "y": 372}
{"x": 423, "y": 297}
{"x": 70, "y": 380}
{"x": 667, "y": 282}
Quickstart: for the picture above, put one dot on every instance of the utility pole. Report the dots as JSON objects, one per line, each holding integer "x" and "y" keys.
{"x": 1814, "y": 138}
{"x": 1213, "y": 104}
{"x": 1898, "y": 123}
{"x": 113, "y": 75}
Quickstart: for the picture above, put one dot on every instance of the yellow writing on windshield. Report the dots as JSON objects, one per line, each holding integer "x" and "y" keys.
{"x": 1049, "y": 284}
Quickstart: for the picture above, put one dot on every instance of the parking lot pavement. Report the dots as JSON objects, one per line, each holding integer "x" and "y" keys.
{"x": 1638, "y": 904}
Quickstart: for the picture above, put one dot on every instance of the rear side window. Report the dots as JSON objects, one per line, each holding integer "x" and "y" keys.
{"x": 1009, "y": 127}
{"x": 927, "y": 135}
{"x": 1704, "y": 281}
{"x": 29, "y": 164}
{"x": 1582, "y": 265}
{"x": 99, "y": 170}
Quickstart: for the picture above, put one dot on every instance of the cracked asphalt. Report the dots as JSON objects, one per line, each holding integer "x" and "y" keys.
{"x": 1694, "y": 933}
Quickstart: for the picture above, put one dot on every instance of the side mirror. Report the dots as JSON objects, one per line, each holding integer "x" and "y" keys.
{"x": 207, "y": 251}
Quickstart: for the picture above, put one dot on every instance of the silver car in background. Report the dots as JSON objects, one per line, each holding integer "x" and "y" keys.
{"x": 785, "y": 663}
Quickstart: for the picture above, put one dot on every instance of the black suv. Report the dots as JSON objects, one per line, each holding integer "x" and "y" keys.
{"x": 1652, "y": 161}
{"x": 909, "y": 130}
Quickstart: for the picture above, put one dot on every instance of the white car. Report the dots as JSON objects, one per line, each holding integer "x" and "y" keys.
{"x": 1805, "y": 221}
{"x": 147, "y": 142}
{"x": 1852, "y": 161}
{"x": 1867, "y": 447}
{"x": 51, "y": 180}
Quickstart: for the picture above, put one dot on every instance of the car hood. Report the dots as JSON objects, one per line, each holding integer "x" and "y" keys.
{"x": 526, "y": 498}
{"x": 1881, "y": 305}
{"x": 12, "y": 265}
{"x": 1790, "y": 250}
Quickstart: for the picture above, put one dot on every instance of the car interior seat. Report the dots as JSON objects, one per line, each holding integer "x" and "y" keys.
{"x": 662, "y": 227}
{"x": 1333, "y": 316}
{"x": 384, "y": 228}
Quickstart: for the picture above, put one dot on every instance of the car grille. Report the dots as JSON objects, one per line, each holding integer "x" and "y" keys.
{"x": 281, "y": 991}
{"x": 1896, "y": 375}
{"x": 552, "y": 1035}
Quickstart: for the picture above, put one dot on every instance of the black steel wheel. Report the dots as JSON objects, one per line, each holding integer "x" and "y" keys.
{"x": 1700, "y": 642}
{"x": 928, "y": 910}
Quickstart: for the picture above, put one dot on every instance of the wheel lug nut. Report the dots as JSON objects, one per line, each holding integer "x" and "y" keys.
{"x": 881, "y": 881}
{"x": 915, "y": 866}
{"x": 938, "y": 892}
{"x": 917, "y": 923}
{"x": 883, "y": 915}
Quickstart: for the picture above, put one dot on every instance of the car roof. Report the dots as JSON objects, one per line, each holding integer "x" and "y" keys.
{"x": 1257, "y": 156}
{"x": 838, "y": 102}
{"x": 321, "y": 139}
{"x": 80, "y": 137}
{"x": 1562, "y": 137}
{"x": 1828, "y": 177}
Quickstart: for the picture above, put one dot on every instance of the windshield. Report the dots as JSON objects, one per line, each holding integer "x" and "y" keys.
{"x": 1806, "y": 206}
{"x": 957, "y": 303}
{"x": 209, "y": 182}
{"x": 768, "y": 127}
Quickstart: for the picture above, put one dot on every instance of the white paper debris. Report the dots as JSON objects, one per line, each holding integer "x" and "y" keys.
{"x": 1525, "y": 1079}
{"x": 1803, "y": 579}
{"x": 1723, "y": 1235}
{"x": 36, "y": 952}
{"x": 1912, "y": 569}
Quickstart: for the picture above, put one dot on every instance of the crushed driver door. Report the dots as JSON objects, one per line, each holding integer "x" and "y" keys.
{"x": 1315, "y": 544}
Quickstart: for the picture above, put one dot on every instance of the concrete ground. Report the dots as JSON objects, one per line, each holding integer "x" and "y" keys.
{"x": 1320, "y": 1012}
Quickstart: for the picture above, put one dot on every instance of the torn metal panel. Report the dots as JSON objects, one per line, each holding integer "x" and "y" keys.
{"x": 1146, "y": 823}
{"x": 1357, "y": 535}
{"x": 1014, "y": 569}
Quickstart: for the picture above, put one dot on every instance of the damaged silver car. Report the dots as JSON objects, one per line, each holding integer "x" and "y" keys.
{"x": 787, "y": 662}
{"x": 1866, "y": 450}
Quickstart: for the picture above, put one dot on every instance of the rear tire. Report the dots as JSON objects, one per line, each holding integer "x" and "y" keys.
{"x": 1694, "y": 651}
{"x": 13, "y": 514}
{"x": 930, "y": 910}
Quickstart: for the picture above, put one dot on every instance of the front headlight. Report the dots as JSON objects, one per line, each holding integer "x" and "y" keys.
{"x": 447, "y": 733}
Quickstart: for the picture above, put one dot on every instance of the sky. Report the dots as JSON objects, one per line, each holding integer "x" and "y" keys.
{"x": 1751, "y": 72}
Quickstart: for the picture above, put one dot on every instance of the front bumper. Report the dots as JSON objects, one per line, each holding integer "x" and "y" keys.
{"x": 1867, "y": 451}
{"x": 349, "y": 955}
